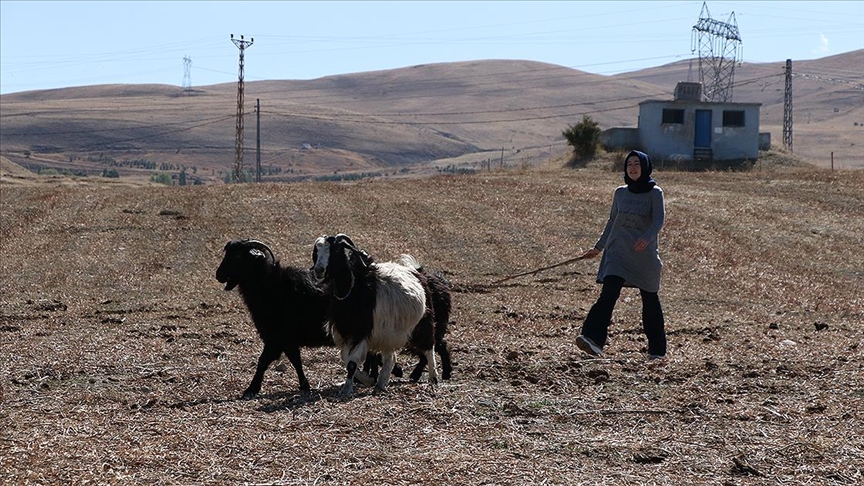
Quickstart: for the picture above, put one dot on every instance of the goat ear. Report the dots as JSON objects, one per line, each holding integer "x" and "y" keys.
{"x": 315, "y": 254}
{"x": 360, "y": 255}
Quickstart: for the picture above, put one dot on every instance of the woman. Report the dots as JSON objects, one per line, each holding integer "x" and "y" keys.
{"x": 630, "y": 258}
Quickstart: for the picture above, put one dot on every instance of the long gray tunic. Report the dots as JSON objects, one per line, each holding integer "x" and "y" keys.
{"x": 633, "y": 216}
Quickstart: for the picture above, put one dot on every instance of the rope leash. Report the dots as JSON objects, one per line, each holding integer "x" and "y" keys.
{"x": 532, "y": 272}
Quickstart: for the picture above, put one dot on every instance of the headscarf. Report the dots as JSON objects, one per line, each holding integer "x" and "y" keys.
{"x": 645, "y": 183}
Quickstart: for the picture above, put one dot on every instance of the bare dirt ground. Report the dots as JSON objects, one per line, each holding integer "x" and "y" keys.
{"x": 122, "y": 359}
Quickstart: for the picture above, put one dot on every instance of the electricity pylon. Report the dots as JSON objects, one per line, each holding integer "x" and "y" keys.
{"x": 187, "y": 73}
{"x": 238, "y": 145}
{"x": 719, "y": 44}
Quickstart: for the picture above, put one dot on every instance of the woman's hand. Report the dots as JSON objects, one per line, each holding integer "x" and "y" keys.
{"x": 641, "y": 244}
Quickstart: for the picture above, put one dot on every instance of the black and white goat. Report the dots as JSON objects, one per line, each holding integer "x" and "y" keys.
{"x": 441, "y": 305}
{"x": 286, "y": 306}
{"x": 374, "y": 307}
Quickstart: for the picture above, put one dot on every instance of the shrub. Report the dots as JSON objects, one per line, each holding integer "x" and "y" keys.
{"x": 584, "y": 138}
{"x": 162, "y": 178}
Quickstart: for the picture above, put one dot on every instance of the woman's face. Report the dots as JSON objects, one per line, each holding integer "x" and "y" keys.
{"x": 634, "y": 167}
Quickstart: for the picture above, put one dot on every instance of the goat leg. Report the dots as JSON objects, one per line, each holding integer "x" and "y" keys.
{"x": 268, "y": 355}
{"x": 351, "y": 355}
{"x": 373, "y": 361}
{"x": 348, "y": 388}
{"x": 446, "y": 364}
{"x": 433, "y": 368}
{"x": 418, "y": 370}
{"x": 389, "y": 360}
{"x": 370, "y": 366}
{"x": 364, "y": 378}
{"x": 293, "y": 355}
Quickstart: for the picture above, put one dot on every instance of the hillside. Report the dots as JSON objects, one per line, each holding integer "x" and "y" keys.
{"x": 122, "y": 359}
{"x": 396, "y": 121}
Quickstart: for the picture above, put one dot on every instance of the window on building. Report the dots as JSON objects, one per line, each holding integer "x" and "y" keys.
{"x": 673, "y": 116}
{"x": 733, "y": 118}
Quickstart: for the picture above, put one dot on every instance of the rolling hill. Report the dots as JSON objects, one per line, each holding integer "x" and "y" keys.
{"x": 407, "y": 120}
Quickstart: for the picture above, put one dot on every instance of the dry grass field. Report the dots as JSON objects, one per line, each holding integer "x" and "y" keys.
{"x": 122, "y": 359}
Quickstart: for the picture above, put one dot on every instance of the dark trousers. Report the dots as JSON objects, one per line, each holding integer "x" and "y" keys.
{"x": 596, "y": 325}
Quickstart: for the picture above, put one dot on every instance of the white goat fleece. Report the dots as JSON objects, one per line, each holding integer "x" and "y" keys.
{"x": 400, "y": 303}
{"x": 408, "y": 261}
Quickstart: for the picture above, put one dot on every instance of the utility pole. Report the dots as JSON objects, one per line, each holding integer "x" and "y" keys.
{"x": 238, "y": 145}
{"x": 787, "y": 108}
{"x": 258, "y": 140}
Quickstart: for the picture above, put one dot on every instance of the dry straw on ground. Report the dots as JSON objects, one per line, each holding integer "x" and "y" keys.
{"x": 122, "y": 359}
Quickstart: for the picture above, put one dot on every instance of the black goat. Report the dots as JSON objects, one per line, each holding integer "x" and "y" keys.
{"x": 286, "y": 306}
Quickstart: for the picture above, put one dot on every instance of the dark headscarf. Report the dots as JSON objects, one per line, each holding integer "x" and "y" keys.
{"x": 645, "y": 182}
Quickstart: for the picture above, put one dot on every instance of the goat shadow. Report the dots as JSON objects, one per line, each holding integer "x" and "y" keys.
{"x": 202, "y": 401}
{"x": 270, "y": 402}
{"x": 292, "y": 400}
{"x": 282, "y": 401}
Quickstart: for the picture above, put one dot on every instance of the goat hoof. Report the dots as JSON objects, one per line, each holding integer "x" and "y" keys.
{"x": 249, "y": 395}
{"x": 347, "y": 390}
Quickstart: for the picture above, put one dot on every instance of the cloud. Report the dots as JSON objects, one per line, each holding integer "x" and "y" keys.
{"x": 823, "y": 45}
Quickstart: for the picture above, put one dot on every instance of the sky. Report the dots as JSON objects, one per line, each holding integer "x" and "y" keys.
{"x": 46, "y": 45}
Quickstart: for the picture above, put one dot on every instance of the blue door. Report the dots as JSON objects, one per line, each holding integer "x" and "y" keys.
{"x": 703, "y": 129}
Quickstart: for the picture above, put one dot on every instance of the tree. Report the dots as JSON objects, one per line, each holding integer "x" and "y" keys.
{"x": 583, "y": 137}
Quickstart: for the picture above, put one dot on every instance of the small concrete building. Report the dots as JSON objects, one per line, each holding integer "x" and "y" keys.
{"x": 692, "y": 132}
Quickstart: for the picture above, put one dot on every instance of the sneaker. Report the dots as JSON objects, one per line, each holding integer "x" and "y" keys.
{"x": 587, "y": 345}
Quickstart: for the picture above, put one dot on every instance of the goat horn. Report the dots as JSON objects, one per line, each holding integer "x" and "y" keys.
{"x": 263, "y": 247}
{"x": 342, "y": 237}
{"x": 362, "y": 255}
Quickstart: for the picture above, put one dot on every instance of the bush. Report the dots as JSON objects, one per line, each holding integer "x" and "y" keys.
{"x": 112, "y": 173}
{"x": 162, "y": 178}
{"x": 584, "y": 138}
